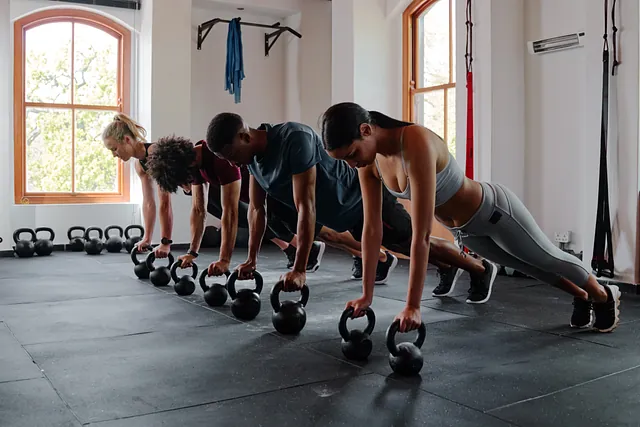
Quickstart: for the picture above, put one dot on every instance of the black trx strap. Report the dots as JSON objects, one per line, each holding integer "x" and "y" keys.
{"x": 603, "y": 264}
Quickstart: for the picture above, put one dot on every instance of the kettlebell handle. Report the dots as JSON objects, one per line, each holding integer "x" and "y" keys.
{"x": 134, "y": 255}
{"x": 203, "y": 279}
{"x": 178, "y": 264}
{"x": 346, "y": 314}
{"x": 127, "y": 231}
{"x": 90, "y": 229}
{"x": 231, "y": 283}
{"x": 19, "y": 231}
{"x": 393, "y": 330}
{"x": 275, "y": 295}
{"x": 152, "y": 257}
{"x": 113, "y": 227}
{"x": 52, "y": 235}
{"x": 76, "y": 228}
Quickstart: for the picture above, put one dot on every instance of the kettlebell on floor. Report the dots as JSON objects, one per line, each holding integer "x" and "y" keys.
{"x": 186, "y": 284}
{"x": 289, "y": 317}
{"x": 246, "y": 302}
{"x": 215, "y": 295}
{"x": 93, "y": 245}
{"x": 140, "y": 269}
{"x": 159, "y": 276}
{"x": 44, "y": 247}
{"x": 114, "y": 243}
{"x": 76, "y": 243}
{"x": 356, "y": 344}
{"x": 24, "y": 248}
{"x": 405, "y": 358}
{"x": 130, "y": 242}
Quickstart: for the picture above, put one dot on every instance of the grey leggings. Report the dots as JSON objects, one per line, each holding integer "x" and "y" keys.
{"x": 503, "y": 231}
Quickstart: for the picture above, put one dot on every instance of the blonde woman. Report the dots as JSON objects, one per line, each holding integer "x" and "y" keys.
{"x": 126, "y": 139}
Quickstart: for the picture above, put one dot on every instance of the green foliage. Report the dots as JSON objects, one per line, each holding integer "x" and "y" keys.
{"x": 50, "y": 131}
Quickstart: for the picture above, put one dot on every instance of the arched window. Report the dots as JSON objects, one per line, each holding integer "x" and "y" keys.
{"x": 430, "y": 67}
{"x": 71, "y": 75}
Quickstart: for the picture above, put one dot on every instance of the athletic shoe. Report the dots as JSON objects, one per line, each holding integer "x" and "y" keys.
{"x": 608, "y": 313}
{"x": 384, "y": 269}
{"x": 582, "y": 316}
{"x": 315, "y": 256}
{"x": 481, "y": 286}
{"x": 448, "y": 278}
{"x": 357, "y": 268}
{"x": 290, "y": 252}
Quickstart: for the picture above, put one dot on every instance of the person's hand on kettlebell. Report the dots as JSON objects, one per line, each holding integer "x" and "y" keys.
{"x": 162, "y": 251}
{"x": 142, "y": 246}
{"x": 293, "y": 280}
{"x": 359, "y": 306}
{"x": 218, "y": 268}
{"x": 409, "y": 319}
{"x": 246, "y": 269}
{"x": 186, "y": 261}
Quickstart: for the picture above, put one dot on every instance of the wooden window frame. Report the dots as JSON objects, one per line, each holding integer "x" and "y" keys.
{"x": 22, "y": 196}
{"x": 410, "y": 64}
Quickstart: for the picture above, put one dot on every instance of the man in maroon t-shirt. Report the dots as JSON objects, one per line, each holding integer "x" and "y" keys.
{"x": 228, "y": 199}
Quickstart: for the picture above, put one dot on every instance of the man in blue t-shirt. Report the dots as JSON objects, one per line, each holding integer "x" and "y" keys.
{"x": 287, "y": 162}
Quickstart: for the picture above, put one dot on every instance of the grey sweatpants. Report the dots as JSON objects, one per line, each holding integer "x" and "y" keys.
{"x": 503, "y": 231}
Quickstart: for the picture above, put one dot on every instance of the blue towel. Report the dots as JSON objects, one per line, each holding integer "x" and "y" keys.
{"x": 235, "y": 65}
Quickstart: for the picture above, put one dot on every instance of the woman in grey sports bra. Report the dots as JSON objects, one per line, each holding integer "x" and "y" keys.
{"x": 414, "y": 163}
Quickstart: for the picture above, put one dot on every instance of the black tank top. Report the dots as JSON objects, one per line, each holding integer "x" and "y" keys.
{"x": 143, "y": 162}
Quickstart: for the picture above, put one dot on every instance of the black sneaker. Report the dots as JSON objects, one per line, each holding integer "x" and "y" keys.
{"x": 357, "y": 268}
{"x": 480, "y": 290}
{"x": 448, "y": 279}
{"x": 315, "y": 256}
{"x": 290, "y": 252}
{"x": 608, "y": 313}
{"x": 582, "y": 316}
{"x": 384, "y": 269}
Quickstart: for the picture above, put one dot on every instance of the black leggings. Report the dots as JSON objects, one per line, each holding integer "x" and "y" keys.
{"x": 396, "y": 223}
{"x": 275, "y": 227}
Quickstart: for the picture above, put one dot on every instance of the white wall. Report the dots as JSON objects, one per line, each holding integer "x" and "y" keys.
{"x": 563, "y": 92}
{"x": 263, "y": 89}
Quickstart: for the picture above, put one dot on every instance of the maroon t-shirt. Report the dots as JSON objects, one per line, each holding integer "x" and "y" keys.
{"x": 217, "y": 171}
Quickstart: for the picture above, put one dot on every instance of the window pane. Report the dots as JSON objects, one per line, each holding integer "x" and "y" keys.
{"x": 433, "y": 66}
{"x": 452, "y": 22}
{"x": 96, "y": 168}
{"x": 95, "y": 66}
{"x": 451, "y": 120}
{"x": 48, "y": 150}
{"x": 48, "y": 63}
{"x": 429, "y": 109}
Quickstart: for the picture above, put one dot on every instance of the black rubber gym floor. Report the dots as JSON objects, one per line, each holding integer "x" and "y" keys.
{"x": 84, "y": 342}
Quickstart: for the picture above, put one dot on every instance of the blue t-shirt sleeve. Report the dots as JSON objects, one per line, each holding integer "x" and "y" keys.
{"x": 301, "y": 152}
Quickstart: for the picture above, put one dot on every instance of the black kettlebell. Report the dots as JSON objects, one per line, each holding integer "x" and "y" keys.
{"x": 44, "y": 247}
{"x": 159, "y": 276}
{"x": 93, "y": 245}
{"x": 289, "y": 317}
{"x": 76, "y": 243}
{"x": 114, "y": 244}
{"x": 139, "y": 268}
{"x": 405, "y": 358}
{"x": 24, "y": 248}
{"x": 356, "y": 344}
{"x": 130, "y": 242}
{"x": 246, "y": 302}
{"x": 186, "y": 284}
{"x": 216, "y": 294}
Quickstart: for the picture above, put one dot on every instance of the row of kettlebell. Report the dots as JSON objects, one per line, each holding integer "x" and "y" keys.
{"x": 104, "y": 240}
{"x": 289, "y": 317}
{"x": 34, "y": 245}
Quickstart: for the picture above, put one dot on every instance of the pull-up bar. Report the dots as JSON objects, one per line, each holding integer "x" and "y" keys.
{"x": 204, "y": 28}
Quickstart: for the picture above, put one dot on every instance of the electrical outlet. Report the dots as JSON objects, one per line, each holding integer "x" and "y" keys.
{"x": 564, "y": 237}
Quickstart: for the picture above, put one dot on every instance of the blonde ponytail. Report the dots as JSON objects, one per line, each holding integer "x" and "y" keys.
{"x": 123, "y": 125}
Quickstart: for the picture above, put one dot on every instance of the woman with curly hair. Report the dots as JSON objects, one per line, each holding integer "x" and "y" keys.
{"x": 176, "y": 162}
{"x": 126, "y": 139}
